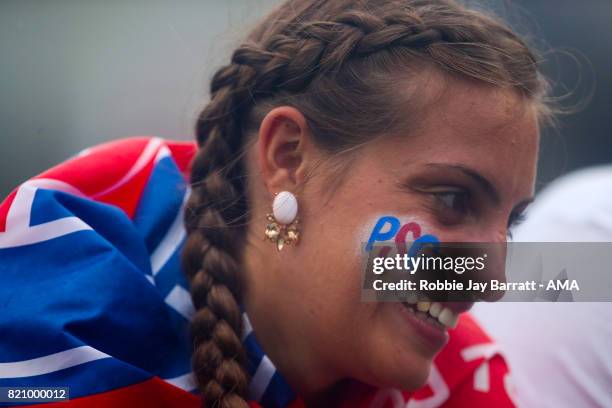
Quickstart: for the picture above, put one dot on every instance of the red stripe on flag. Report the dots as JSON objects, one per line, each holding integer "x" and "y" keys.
{"x": 182, "y": 153}
{"x": 4, "y": 209}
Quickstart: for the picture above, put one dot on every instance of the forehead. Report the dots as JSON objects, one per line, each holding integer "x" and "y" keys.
{"x": 466, "y": 109}
{"x": 489, "y": 129}
{"x": 473, "y": 107}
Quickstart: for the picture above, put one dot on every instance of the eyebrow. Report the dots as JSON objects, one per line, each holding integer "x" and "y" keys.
{"x": 478, "y": 178}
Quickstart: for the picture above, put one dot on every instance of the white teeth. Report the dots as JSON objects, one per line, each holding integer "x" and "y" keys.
{"x": 423, "y": 306}
{"x": 432, "y": 310}
{"x": 448, "y": 318}
{"x": 435, "y": 309}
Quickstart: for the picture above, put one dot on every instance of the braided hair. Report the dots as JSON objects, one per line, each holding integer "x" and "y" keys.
{"x": 338, "y": 63}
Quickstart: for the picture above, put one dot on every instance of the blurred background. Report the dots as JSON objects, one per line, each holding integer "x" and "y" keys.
{"x": 76, "y": 73}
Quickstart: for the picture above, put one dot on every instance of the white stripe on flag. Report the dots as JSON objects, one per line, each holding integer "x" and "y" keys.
{"x": 148, "y": 154}
{"x": 18, "y": 216}
{"x": 180, "y": 300}
{"x": 162, "y": 153}
{"x": 246, "y": 326}
{"x": 150, "y": 279}
{"x": 42, "y": 232}
{"x": 50, "y": 363}
{"x": 261, "y": 379}
{"x": 18, "y": 230}
{"x": 171, "y": 240}
{"x": 185, "y": 382}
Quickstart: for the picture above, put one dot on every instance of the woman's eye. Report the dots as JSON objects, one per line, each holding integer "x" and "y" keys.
{"x": 453, "y": 200}
{"x": 515, "y": 220}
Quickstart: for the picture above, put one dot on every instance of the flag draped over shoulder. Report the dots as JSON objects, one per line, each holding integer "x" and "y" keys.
{"x": 92, "y": 296}
{"x": 91, "y": 293}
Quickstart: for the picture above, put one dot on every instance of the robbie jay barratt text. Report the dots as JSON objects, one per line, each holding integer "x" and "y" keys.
{"x": 472, "y": 285}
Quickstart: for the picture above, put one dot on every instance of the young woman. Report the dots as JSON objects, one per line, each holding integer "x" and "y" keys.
{"x": 421, "y": 109}
{"x": 331, "y": 115}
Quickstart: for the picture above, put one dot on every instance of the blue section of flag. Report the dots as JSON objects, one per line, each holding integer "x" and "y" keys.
{"x": 167, "y": 278}
{"x": 161, "y": 200}
{"x": 85, "y": 379}
{"x": 44, "y": 208}
{"x": 93, "y": 288}
{"x": 277, "y": 393}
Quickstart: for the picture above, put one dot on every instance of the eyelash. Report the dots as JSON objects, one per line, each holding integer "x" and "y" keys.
{"x": 514, "y": 221}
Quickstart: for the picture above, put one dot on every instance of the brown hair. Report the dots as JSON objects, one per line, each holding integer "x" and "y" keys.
{"x": 338, "y": 63}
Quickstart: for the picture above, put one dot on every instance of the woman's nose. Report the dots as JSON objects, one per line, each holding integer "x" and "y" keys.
{"x": 494, "y": 250}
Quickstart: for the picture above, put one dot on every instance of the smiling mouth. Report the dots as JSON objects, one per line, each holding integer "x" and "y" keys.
{"x": 433, "y": 313}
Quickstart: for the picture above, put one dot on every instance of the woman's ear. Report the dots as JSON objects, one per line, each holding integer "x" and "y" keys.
{"x": 284, "y": 149}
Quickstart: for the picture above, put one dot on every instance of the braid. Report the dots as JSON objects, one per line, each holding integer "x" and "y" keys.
{"x": 211, "y": 256}
{"x": 289, "y": 61}
{"x": 286, "y": 55}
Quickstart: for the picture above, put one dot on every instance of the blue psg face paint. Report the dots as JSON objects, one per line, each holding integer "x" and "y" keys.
{"x": 390, "y": 228}
{"x": 385, "y": 229}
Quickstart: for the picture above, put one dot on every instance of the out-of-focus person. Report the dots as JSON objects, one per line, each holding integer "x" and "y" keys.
{"x": 560, "y": 353}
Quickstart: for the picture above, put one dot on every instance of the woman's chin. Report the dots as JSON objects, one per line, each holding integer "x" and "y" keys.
{"x": 397, "y": 366}
{"x": 410, "y": 378}
{"x": 415, "y": 377}
{"x": 401, "y": 349}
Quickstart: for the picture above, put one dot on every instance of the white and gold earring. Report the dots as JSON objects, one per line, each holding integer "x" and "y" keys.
{"x": 283, "y": 226}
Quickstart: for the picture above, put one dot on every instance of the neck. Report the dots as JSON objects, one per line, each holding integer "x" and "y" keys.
{"x": 329, "y": 397}
{"x": 280, "y": 334}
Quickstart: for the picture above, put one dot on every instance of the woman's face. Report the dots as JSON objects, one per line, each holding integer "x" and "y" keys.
{"x": 462, "y": 175}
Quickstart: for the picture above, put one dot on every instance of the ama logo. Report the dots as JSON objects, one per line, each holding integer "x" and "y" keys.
{"x": 389, "y": 228}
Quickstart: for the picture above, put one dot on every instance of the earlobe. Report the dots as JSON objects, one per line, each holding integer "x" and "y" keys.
{"x": 283, "y": 141}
